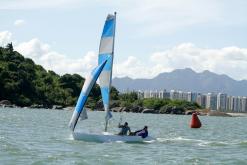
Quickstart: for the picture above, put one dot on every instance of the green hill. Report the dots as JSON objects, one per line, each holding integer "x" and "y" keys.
{"x": 24, "y": 83}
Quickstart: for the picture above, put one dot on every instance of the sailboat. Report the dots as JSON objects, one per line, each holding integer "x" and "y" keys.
{"x": 104, "y": 72}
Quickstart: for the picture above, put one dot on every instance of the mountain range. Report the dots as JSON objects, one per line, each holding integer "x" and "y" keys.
{"x": 185, "y": 80}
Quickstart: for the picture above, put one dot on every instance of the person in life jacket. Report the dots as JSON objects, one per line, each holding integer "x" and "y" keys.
{"x": 125, "y": 129}
{"x": 143, "y": 132}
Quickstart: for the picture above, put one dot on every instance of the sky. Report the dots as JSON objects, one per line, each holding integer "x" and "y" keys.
{"x": 152, "y": 36}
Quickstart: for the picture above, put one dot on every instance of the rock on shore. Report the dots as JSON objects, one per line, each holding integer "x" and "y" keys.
{"x": 217, "y": 113}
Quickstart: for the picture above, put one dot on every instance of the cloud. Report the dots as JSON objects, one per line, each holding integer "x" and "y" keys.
{"x": 228, "y": 60}
{"x": 19, "y": 23}
{"x": 135, "y": 68}
{"x": 5, "y": 37}
{"x": 231, "y": 61}
{"x": 42, "y": 54}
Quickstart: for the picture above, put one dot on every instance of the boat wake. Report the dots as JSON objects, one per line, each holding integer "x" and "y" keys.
{"x": 200, "y": 142}
{"x": 178, "y": 139}
{"x": 106, "y": 137}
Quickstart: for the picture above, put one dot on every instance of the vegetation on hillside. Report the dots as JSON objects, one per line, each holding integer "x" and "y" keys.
{"x": 24, "y": 83}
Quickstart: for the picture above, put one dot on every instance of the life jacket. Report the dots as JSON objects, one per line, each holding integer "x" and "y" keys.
{"x": 143, "y": 133}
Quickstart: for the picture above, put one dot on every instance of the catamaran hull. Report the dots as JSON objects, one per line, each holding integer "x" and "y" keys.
{"x": 106, "y": 137}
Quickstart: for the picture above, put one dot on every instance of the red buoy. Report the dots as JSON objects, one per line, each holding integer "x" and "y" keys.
{"x": 195, "y": 121}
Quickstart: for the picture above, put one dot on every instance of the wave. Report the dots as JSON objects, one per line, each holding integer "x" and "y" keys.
{"x": 178, "y": 139}
{"x": 200, "y": 142}
{"x": 214, "y": 143}
{"x": 243, "y": 143}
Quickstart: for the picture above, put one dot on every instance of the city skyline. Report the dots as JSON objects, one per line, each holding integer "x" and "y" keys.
{"x": 151, "y": 37}
{"x": 212, "y": 101}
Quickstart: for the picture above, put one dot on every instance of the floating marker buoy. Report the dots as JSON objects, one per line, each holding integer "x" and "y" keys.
{"x": 195, "y": 121}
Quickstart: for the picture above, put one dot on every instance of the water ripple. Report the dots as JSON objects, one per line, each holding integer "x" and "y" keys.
{"x": 30, "y": 136}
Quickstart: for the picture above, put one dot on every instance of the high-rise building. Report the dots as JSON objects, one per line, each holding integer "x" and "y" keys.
{"x": 193, "y": 97}
{"x": 235, "y": 104}
{"x": 189, "y": 96}
{"x": 167, "y": 95}
{"x": 201, "y": 100}
{"x": 221, "y": 102}
{"x": 211, "y": 101}
{"x": 182, "y": 95}
{"x": 229, "y": 105}
{"x": 163, "y": 94}
{"x": 147, "y": 94}
{"x": 244, "y": 104}
{"x": 174, "y": 95}
{"x": 154, "y": 94}
{"x": 239, "y": 106}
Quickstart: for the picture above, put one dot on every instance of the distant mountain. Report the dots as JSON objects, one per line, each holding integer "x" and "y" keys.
{"x": 185, "y": 80}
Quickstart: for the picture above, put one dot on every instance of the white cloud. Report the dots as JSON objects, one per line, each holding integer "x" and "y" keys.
{"x": 136, "y": 68}
{"x": 42, "y": 54}
{"x": 231, "y": 61}
{"x": 228, "y": 60}
{"x": 19, "y": 22}
{"x": 5, "y": 37}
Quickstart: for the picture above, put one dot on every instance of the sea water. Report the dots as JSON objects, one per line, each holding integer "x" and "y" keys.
{"x": 39, "y": 136}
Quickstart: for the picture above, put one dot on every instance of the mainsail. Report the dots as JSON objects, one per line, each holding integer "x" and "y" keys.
{"x": 106, "y": 51}
{"x": 87, "y": 87}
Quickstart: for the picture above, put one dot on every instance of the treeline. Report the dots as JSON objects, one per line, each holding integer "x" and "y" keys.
{"x": 24, "y": 83}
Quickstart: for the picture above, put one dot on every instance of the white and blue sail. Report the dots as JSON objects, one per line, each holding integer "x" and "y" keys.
{"x": 87, "y": 87}
{"x": 106, "y": 51}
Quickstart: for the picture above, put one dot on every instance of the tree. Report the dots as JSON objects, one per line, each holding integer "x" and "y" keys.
{"x": 9, "y": 47}
{"x": 131, "y": 97}
{"x": 114, "y": 93}
{"x": 24, "y": 83}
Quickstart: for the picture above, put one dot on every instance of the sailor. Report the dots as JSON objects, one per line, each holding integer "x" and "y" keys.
{"x": 143, "y": 132}
{"x": 125, "y": 129}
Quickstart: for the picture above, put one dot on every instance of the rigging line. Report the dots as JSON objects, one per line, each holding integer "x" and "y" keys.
{"x": 121, "y": 117}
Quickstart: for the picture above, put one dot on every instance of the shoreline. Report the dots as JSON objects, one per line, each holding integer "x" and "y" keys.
{"x": 200, "y": 112}
{"x": 237, "y": 114}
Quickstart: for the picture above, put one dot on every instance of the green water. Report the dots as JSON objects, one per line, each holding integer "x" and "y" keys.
{"x": 29, "y": 136}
